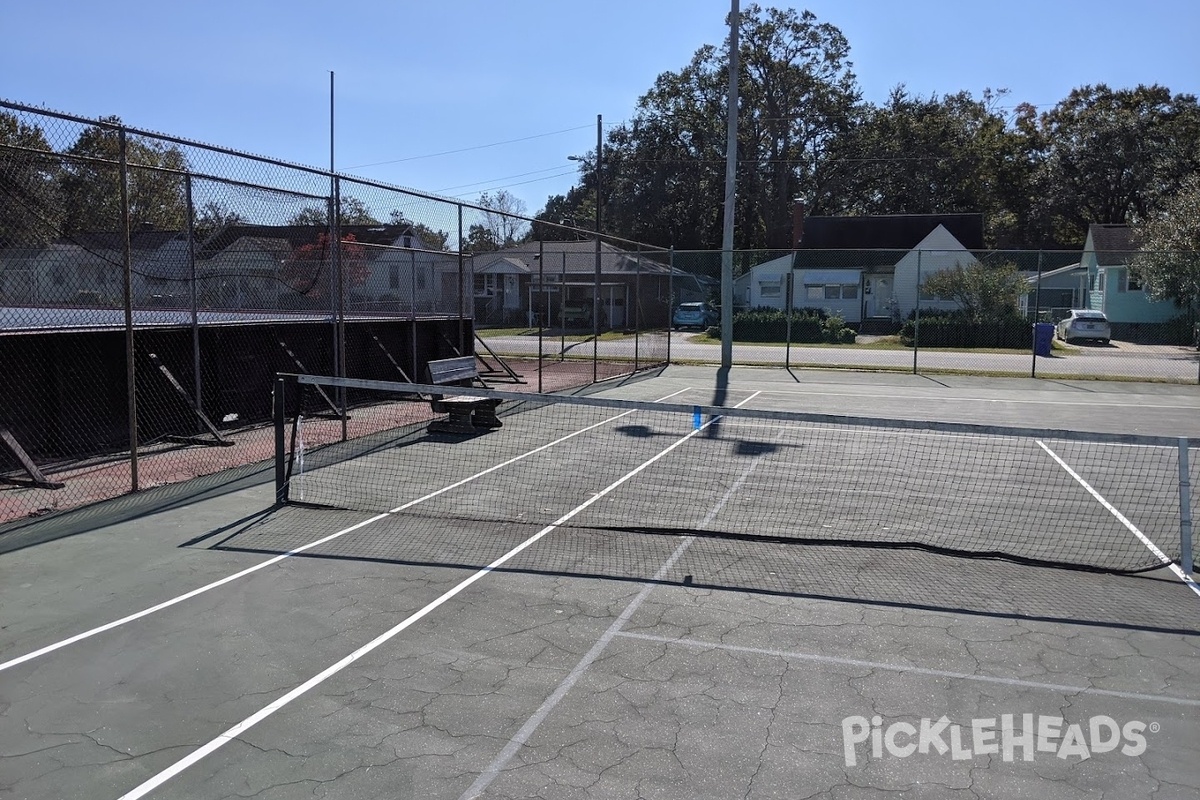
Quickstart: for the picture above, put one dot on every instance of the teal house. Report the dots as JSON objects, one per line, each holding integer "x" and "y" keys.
{"x": 1113, "y": 289}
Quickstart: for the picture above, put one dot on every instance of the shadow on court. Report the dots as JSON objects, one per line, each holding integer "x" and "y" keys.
{"x": 891, "y": 576}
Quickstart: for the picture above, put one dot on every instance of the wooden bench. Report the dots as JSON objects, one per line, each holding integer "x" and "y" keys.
{"x": 467, "y": 414}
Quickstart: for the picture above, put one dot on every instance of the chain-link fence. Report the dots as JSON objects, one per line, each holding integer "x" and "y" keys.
{"x": 151, "y": 288}
{"x": 1005, "y": 313}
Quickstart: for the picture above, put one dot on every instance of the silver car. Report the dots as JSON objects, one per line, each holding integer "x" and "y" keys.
{"x": 1083, "y": 323}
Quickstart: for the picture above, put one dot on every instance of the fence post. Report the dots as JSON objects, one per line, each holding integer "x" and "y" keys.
{"x": 338, "y": 307}
{"x": 1186, "y": 562}
{"x": 637, "y": 306}
{"x": 562, "y": 310}
{"x": 916, "y": 314}
{"x": 1037, "y": 313}
{"x": 670, "y": 299}
{"x": 280, "y": 415}
{"x": 194, "y": 298}
{"x": 461, "y": 273}
{"x": 543, "y": 306}
{"x": 130, "y": 367}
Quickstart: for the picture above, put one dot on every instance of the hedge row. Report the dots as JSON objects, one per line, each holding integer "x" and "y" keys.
{"x": 957, "y": 331}
{"x": 771, "y": 325}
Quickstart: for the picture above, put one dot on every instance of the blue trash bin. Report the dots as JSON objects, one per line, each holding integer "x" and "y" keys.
{"x": 1043, "y": 337}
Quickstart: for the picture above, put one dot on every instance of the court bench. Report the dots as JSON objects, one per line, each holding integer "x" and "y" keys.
{"x": 467, "y": 414}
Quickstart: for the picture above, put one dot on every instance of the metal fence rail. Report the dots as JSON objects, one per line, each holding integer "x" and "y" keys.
{"x": 152, "y": 286}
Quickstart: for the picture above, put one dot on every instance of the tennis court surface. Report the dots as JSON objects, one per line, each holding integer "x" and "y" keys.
{"x": 775, "y": 585}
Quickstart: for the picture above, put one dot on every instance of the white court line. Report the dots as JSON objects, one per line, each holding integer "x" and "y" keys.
{"x": 907, "y": 670}
{"x": 534, "y": 722}
{"x": 50, "y": 648}
{"x": 249, "y": 722}
{"x": 951, "y": 398}
{"x": 1151, "y": 546}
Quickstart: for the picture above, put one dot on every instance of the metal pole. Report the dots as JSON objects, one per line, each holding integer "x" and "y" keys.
{"x": 596, "y": 293}
{"x": 916, "y": 314}
{"x": 461, "y": 277}
{"x": 280, "y": 414}
{"x": 791, "y": 301}
{"x": 412, "y": 305}
{"x": 670, "y": 298}
{"x": 562, "y": 310}
{"x": 130, "y": 367}
{"x": 637, "y": 305}
{"x": 1186, "y": 561}
{"x": 338, "y": 309}
{"x": 544, "y": 305}
{"x": 193, "y": 286}
{"x": 730, "y": 191}
{"x": 1037, "y": 313}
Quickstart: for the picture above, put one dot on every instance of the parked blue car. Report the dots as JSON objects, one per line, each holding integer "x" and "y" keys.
{"x": 694, "y": 315}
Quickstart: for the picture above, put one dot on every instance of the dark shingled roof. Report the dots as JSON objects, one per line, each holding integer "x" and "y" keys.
{"x": 888, "y": 232}
{"x": 1112, "y": 244}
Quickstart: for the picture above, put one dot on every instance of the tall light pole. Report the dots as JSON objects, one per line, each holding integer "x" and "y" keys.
{"x": 599, "y": 219}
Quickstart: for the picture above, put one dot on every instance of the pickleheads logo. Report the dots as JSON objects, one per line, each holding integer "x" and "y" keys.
{"x": 1006, "y": 736}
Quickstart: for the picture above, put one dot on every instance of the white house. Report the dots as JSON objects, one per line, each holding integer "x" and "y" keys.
{"x": 936, "y": 252}
{"x": 854, "y": 284}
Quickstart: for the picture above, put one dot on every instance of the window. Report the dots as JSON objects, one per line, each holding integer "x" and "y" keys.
{"x": 393, "y": 276}
{"x": 831, "y": 291}
{"x": 772, "y": 287}
{"x": 1100, "y": 279}
{"x": 1129, "y": 282}
{"x": 485, "y": 285}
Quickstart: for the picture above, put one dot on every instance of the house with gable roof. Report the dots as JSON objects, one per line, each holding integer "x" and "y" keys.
{"x": 555, "y": 286}
{"x": 864, "y": 268}
{"x": 1114, "y": 289}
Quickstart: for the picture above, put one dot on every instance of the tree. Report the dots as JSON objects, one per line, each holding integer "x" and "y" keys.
{"x": 28, "y": 214}
{"x": 480, "y": 239}
{"x": 665, "y": 171}
{"x": 431, "y": 238}
{"x": 935, "y": 155}
{"x": 1168, "y": 260}
{"x": 986, "y": 293}
{"x": 213, "y": 216}
{"x": 305, "y": 271}
{"x": 502, "y": 220}
{"x": 351, "y": 211}
{"x": 1108, "y": 156}
{"x": 90, "y": 182}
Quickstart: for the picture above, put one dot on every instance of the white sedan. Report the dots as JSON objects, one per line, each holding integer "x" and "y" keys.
{"x": 1084, "y": 324}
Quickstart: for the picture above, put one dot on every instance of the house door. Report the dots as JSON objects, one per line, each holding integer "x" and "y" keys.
{"x": 879, "y": 296}
{"x": 612, "y": 301}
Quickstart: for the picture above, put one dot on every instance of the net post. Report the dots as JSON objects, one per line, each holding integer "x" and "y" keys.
{"x": 1186, "y": 563}
{"x": 279, "y": 407}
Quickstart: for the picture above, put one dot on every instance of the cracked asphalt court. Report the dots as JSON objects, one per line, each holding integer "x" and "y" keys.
{"x": 199, "y": 642}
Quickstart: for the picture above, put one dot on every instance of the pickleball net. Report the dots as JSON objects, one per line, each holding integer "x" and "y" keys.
{"x": 1100, "y": 501}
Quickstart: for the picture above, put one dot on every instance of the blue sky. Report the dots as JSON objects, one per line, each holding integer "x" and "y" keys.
{"x": 460, "y": 96}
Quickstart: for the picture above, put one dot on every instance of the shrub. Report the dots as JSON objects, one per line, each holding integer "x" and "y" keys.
{"x": 770, "y": 325}
{"x": 956, "y": 329}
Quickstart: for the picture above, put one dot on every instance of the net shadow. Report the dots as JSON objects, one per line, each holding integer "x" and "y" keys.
{"x": 882, "y": 576}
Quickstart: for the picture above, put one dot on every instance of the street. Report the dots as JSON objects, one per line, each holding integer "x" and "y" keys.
{"x": 1118, "y": 360}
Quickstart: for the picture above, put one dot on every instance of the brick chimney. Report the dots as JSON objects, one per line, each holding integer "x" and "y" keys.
{"x": 797, "y": 223}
